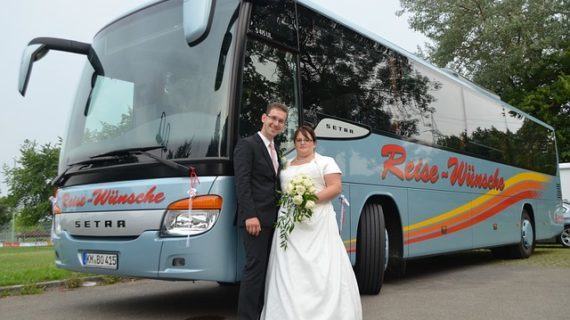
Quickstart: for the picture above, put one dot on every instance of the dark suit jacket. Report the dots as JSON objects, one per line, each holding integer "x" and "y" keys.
{"x": 256, "y": 181}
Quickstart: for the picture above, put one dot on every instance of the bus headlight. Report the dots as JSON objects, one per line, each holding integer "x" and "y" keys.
{"x": 56, "y": 212}
{"x": 56, "y": 225}
{"x": 179, "y": 220}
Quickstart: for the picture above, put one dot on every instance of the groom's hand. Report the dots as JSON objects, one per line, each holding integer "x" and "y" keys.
{"x": 253, "y": 226}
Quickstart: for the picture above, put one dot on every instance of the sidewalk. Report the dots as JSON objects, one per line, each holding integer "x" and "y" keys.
{"x": 9, "y": 244}
{"x": 69, "y": 283}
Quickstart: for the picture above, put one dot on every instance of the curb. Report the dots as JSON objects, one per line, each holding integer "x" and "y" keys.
{"x": 17, "y": 244}
{"x": 17, "y": 289}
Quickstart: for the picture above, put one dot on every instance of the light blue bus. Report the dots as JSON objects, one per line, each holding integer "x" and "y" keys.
{"x": 431, "y": 163}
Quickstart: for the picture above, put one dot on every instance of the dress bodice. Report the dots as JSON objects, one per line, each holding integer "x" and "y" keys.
{"x": 316, "y": 169}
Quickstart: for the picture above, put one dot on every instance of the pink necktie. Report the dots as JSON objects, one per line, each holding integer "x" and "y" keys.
{"x": 273, "y": 155}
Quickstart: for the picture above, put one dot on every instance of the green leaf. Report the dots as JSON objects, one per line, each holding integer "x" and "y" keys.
{"x": 28, "y": 181}
{"x": 519, "y": 49}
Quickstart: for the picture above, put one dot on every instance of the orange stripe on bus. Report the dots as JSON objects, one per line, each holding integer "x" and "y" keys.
{"x": 525, "y": 185}
{"x": 489, "y": 212}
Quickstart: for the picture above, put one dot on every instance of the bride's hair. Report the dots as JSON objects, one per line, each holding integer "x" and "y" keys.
{"x": 306, "y": 132}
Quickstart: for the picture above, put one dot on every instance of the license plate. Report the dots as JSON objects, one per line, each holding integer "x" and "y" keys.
{"x": 100, "y": 260}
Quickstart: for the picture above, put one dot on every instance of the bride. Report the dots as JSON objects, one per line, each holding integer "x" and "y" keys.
{"x": 312, "y": 278}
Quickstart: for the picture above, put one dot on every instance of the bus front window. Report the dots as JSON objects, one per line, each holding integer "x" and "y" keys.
{"x": 153, "y": 89}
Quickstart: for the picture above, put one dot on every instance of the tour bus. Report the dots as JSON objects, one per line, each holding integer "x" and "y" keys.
{"x": 432, "y": 163}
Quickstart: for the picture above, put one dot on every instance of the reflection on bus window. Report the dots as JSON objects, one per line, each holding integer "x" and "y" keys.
{"x": 269, "y": 76}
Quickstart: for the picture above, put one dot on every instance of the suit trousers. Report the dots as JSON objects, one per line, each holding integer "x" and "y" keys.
{"x": 252, "y": 288}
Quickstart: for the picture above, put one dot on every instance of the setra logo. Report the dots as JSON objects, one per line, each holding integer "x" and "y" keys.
{"x": 97, "y": 224}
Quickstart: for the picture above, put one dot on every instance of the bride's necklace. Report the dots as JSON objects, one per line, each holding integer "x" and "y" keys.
{"x": 299, "y": 161}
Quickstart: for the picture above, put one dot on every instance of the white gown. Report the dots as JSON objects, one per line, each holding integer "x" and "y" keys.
{"x": 313, "y": 279}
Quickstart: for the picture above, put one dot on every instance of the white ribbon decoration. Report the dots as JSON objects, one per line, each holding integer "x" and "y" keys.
{"x": 194, "y": 182}
{"x": 192, "y": 194}
{"x": 343, "y": 202}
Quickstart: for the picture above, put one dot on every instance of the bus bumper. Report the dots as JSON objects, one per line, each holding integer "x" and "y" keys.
{"x": 136, "y": 258}
{"x": 150, "y": 256}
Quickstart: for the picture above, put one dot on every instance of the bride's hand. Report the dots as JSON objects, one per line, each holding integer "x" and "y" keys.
{"x": 333, "y": 188}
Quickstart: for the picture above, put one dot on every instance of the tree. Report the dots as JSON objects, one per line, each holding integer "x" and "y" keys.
{"x": 28, "y": 182}
{"x": 5, "y": 212}
{"x": 519, "y": 49}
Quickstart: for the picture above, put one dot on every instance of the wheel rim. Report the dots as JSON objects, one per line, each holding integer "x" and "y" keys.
{"x": 527, "y": 234}
{"x": 565, "y": 237}
{"x": 386, "y": 249}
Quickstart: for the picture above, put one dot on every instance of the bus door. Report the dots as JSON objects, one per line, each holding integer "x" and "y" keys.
{"x": 269, "y": 74}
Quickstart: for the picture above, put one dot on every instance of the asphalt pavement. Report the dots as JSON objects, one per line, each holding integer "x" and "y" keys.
{"x": 436, "y": 288}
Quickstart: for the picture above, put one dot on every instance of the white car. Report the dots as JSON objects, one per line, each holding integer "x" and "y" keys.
{"x": 564, "y": 237}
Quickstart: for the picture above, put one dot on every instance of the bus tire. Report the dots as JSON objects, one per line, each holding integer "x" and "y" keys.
{"x": 370, "y": 249}
{"x": 525, "y": 247}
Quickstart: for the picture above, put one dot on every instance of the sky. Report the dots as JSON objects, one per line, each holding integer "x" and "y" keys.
{"x": 42, "y": 114}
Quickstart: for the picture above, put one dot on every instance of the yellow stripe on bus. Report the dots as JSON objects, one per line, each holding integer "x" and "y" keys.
{"x": 526, "y": 176}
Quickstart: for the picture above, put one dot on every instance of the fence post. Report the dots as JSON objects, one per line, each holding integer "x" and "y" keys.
{"x": 13, "y": 225}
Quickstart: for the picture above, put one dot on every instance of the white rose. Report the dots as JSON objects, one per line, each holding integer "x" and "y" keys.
{"x": 297, "y": 200}
{"x": 307, "y": 182}
{"x": 300, "y": 189}
{"x": 310, "y": 205}
{"x": 289, "y": 188}
{"x": 312, "y": 189}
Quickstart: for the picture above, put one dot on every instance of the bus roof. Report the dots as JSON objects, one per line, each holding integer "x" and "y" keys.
{"x": 450, "y": 74}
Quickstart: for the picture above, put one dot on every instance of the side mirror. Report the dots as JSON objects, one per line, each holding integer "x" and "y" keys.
{"x": 197, "y": 18}
{"x": 39, "y": 47}
{"x": 32, "y": 53}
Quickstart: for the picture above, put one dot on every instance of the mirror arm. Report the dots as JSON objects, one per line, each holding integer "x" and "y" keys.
{"x": 63, "y": 45}
{"x": 44, "y": 44}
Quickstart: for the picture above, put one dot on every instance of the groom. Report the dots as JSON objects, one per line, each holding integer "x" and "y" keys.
{"x": 256, "y": 167}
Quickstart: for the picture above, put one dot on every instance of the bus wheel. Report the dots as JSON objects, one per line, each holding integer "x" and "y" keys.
{"x": 386, "y": 249}
{"x": 371, "y": 248}
{"x": 525, "y": 247}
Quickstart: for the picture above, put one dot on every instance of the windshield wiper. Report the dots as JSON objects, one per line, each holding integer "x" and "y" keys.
{"x": 60, "y": 179}
{"x": 118, "y": 154}
{"x": 121, "y": 152}
{"x": 138, "y": 151}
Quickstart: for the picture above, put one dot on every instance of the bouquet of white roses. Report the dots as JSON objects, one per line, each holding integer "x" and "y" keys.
{"x": 297, "y": 203}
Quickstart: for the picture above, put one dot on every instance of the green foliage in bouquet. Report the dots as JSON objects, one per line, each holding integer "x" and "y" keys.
{"x": 297, "y": 204}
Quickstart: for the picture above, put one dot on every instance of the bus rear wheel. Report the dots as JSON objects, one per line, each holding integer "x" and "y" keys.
{"x": 371, "y": 249}
{"x": 525, "y": 247}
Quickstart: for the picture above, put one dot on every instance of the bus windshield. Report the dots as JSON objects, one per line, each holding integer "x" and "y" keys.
{"x": 152, "y": 89}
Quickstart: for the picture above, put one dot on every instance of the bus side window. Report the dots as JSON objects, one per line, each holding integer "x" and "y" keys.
{"x": 269, "y": 75}
{"x": 348, "y": 76}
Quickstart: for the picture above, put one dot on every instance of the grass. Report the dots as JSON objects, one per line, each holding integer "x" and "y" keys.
{"x": 31, "y": 289}
{"x": 29, "y": 266}
{"x": 545, "y": 255}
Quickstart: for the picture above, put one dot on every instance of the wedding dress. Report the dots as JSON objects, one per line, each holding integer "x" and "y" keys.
{"x": 313, "y": 278}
